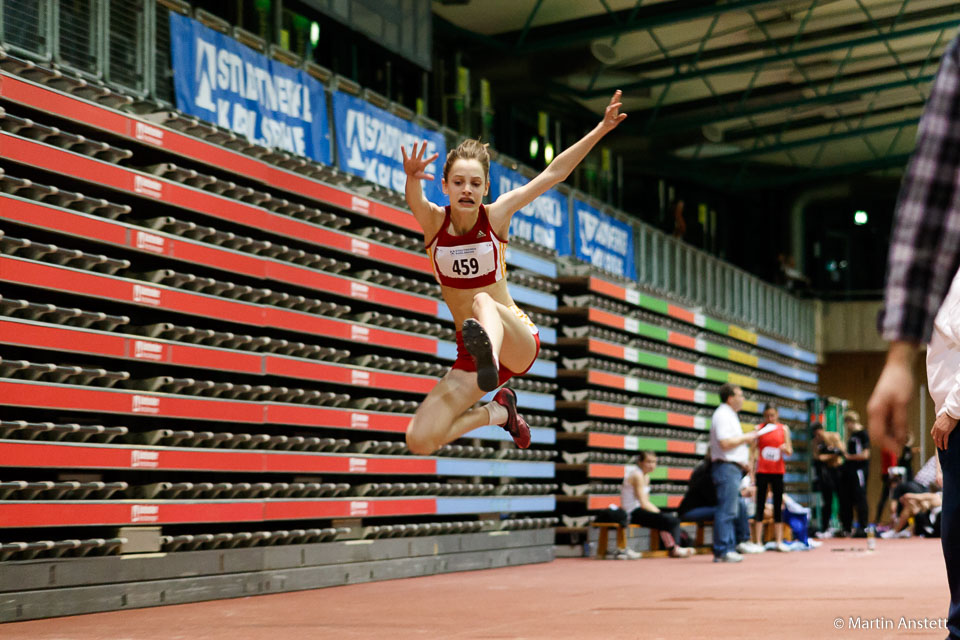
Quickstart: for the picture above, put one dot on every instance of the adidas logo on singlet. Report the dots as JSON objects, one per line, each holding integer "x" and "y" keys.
{"x": 481, "y": 234}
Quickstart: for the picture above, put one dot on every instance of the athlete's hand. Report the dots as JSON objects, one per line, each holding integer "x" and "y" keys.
{"x": 414, "y": 164}
{"x": 612, "y": 116}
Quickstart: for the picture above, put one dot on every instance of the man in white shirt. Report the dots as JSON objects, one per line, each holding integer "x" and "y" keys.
{"x": 943, "y": 377}
{"x": 730, "y": 456}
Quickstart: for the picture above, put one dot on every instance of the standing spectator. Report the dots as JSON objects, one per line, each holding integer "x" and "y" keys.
{"x": 773, "y": 443}
{"x": 906, "y": 456}
{"x": 700, "y": 504}
{"x": 730, "y": 456}
{"x": 924, "y": 257}
{"x": 888, "y": 460}
{"x": 635, "y": 500}
{"x": 827, "y": 460}
{"x": 853, "y": 477}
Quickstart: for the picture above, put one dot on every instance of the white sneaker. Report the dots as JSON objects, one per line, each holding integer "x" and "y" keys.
{"x": 889, "y": 533}
{"x": 682, "y": 552}
{"x": 729, "y": 556}
{"x": 783, "y": 548}
{"x": 625, "y": 554}
{"x": 906, "y": 533}
{"x": 750, "y": 547}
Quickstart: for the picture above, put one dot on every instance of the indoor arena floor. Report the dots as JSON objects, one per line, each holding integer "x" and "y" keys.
{"x": 837, "y": 591}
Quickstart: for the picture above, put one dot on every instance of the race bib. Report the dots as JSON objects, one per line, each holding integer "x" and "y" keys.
{"x": 771, "y": 454}
{"x": 466, "y": 261}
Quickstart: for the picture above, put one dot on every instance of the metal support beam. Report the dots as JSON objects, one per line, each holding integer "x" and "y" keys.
{"x": 806, "y": 142}
{"x": 658, "y": 15}
{"x": 526, "y": 26}
{"x": 836, "y": 171}
{"x": 766, "y": 60}
{"x": 674, "y": 125}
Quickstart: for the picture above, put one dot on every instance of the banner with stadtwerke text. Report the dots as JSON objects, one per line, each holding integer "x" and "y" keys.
{"x": 222, "y": 81}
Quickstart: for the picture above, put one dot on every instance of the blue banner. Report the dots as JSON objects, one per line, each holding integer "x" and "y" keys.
{"x": 604, "y": 241}
{"x": 545, "y": 221}
{"x": 220, "y": 80}
{"x": 369, "y": 141}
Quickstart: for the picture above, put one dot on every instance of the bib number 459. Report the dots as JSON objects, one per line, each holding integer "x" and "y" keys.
{"x": 466, "y": 267}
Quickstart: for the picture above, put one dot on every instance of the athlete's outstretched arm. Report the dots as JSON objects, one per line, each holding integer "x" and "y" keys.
{"x": 562, "y": 166}
{"x": 423, "y": 210}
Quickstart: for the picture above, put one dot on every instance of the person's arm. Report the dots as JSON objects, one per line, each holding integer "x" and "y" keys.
{"x": 887, "y": 408}
{"x": 735, "y": 441}
{"x": 787, "y": 446}
{"x": 921, "y": 265}
{"x": 556, "y": 172}
{"x": 639, "y": 482}
{"x": 428, "y": 215}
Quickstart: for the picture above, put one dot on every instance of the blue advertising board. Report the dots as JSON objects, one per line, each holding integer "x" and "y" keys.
{"x": 545, "y": 221}
{"x": 603, "y": 241}
{"x": 369, "y": 140}
{"x": 222, "y": 81}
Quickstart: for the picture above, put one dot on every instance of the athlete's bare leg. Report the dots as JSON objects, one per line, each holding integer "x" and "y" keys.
{"x": 443, "y": 415}
{"x": 511, "y": 338}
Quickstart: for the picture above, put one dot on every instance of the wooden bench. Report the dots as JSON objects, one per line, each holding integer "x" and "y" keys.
{"x": 604, "y": 534}
{"x": 698, "y": 539}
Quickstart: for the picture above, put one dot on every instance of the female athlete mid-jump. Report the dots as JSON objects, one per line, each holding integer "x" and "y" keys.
{"x": 466, "y": 242}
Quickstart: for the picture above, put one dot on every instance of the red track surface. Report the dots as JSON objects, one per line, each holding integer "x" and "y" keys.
{"x": 798, "y": 595}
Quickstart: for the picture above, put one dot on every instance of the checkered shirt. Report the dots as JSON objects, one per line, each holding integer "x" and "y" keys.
{"x": 925, "y": 248}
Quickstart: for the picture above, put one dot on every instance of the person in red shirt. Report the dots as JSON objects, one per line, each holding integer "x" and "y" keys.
{"x": 466, "y": 243}
{"x": 773, "y": 443}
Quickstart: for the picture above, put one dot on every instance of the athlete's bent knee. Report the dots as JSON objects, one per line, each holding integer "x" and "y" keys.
{"x": 419, "y": 443}
{"x": 480, "y": 300}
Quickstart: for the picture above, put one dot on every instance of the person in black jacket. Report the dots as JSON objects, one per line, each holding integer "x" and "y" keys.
{"x": 699, "y": 503}
{"x": 827, "y": 461}
{"x": 853, "y": 477}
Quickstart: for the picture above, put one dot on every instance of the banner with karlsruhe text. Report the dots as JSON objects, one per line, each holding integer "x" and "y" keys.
{"x": 603, "y": 241}
{"x": 369, "y": 140}
{"x": 222, "y": 81}
{"x": 545, "y": 221}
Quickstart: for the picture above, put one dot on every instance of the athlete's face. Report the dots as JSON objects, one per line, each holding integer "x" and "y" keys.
{"x": 466, "y": 184}
{"x": 770, "y": 415}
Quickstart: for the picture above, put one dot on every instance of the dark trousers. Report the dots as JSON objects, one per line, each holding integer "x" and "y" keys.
{"x": 668, "y": 525}
{"x": 773, "y": 481}
{"x": 884, "y": 498}
{"x": 853, "y": 495}
{"x": 726, "y": 478}
{"x": 950, "y": 528}
{"x": 829, "y": 484}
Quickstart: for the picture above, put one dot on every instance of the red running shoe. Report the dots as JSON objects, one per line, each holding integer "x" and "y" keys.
{"x": 515, "y": 425}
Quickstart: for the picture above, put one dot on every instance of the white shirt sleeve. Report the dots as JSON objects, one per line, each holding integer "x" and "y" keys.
{"x": 946, "y": 341}
{"x": 727, "y": 425}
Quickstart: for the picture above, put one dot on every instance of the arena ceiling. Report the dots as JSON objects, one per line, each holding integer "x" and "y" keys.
{"x": 740, "y": 94}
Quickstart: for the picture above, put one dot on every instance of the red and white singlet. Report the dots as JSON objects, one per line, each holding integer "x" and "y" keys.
{"x": 475, "y": 259}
